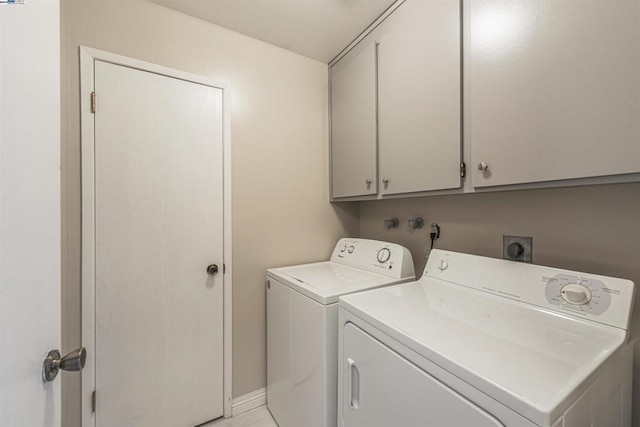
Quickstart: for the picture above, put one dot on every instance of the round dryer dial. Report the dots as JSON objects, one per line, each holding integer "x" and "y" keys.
{"x": 383, "y": 255}
{"x": 576, "y": 294}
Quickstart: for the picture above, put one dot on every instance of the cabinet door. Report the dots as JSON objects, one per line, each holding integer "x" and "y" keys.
{"x": 381, "y": 388}
{"x": 419, "y": 98}
{"x": 353, "y": 124}
{"x": 553, "y": 89}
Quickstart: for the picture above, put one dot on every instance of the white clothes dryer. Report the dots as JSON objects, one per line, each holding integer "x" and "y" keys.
{"x": 485, "y": 342}
{"x": 302, "y": 325}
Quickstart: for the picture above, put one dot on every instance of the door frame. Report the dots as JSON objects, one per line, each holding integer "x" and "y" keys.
{"x": 88, "y": 56}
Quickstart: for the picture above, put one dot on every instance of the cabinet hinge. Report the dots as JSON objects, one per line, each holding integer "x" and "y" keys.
{"x": 93, "y": 102}
{"x": 224, "y": 268}
{"x": 463, "y": 169}
{"x": 93, "y": 401}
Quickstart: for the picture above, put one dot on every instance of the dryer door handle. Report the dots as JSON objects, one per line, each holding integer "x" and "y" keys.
{"x": 354, "y": 384}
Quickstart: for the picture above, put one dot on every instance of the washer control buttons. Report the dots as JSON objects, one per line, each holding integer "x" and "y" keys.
{"x": 576, "y": 294}
{"x": 351, "y": 249}
{"x": 343, "y": 248}
{"x": 443, "y": 264}
{"x": 383, "y": 255}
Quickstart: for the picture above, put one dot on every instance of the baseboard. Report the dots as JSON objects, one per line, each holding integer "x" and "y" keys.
{"x": 249, "y": 401}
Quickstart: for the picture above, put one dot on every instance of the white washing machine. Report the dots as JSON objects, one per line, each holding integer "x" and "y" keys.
{"x": 302, "y": 325}
{"x": 485, "y": 342}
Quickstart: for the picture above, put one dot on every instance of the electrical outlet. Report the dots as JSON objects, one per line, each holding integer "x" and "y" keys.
{"x": 517, "y": 248}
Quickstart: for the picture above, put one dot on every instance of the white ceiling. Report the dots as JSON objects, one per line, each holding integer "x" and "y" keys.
{"x": 319, "y": 29}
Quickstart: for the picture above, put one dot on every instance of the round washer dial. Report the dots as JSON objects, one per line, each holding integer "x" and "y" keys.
{"x": 383, "y": 255}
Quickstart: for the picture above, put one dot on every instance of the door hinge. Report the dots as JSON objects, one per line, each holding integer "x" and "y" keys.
{"x": 463, "y": 169}
{"x": 93, "y": 401}
{"x": 93, "y": 102}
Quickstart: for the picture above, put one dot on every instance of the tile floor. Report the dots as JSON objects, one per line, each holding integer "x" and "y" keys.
{"x": 256, "y": 418}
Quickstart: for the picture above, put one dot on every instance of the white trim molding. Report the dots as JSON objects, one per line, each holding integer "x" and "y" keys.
{"x": 249, "y": 401}
{"x": 88, "y": 56}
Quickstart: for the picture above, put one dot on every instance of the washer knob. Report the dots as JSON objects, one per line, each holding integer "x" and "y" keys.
{"x": 383, "y": 255}
{"x": 443, "y": 265}
{"x": 351, "y": 249}
{"x": 343, "y": 248}
{"x": 576, "y": 294}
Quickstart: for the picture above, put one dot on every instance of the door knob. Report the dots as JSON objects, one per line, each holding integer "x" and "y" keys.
{"x": 212, "y": 269}
{"x": 53, "y": 363}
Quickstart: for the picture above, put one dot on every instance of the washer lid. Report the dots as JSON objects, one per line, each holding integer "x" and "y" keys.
{"x": 326, "y": 281}
{"x": 532, "y": 360}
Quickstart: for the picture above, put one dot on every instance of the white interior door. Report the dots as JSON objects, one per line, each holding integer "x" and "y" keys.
{"x": 29, "y": 211}
{"x": 158, "y": 225}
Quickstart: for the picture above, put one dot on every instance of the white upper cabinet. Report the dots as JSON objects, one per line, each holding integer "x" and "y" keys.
{"x": 395, "y": 105}
{"x": 552, "y": 89}
{"x": 419, "y": 98}
{"x": 353, "y": 123}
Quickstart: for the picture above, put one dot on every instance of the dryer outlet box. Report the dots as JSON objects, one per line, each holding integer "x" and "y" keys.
{"x": 517, "y": 248}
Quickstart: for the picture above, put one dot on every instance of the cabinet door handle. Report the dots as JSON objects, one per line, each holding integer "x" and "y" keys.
{"x": 354, "y": 384}
{"x": 212, "y": 269}
{"x": 386, "y": 181}
{"x": 368, "y": 182}
{"x": 483, "y": 166}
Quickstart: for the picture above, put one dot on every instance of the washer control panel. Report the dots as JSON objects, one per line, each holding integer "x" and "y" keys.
{"x": 579, "y": 293}
{"x": 602, "y": 299}
{"x": 383, "y": 255}
{"x": 385, "y": 258}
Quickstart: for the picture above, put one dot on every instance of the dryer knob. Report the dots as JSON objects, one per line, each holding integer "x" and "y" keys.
{"x": 576, "y": 294}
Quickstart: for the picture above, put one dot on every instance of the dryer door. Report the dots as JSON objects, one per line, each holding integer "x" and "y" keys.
{"x": 381, "y": 388}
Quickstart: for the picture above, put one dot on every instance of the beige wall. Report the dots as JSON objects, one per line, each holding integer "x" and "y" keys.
{"x": 279, "y": 138}
{"x": 593, "y": 229}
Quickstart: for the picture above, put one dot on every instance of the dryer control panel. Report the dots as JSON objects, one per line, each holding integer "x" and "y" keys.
{"x": 602, "y": 299}
{"x": 578, "y": 292}
{"x": 385, "y": 258}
